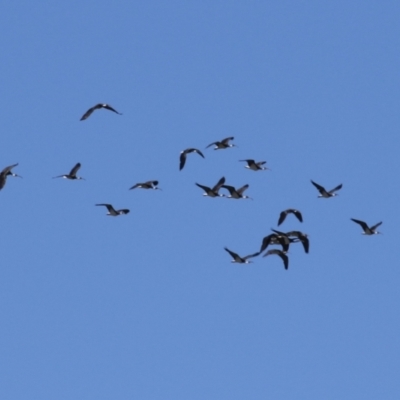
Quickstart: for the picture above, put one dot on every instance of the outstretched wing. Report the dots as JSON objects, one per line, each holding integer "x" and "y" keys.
{"x": 226, "y": 140}
{"x": 108, "y": 107}
{"x": 375, "y": 226}
{"x": 233, "y": 255}
{"x": 319, "y": 187}
{"x": 75, "y": 169}
{"x": 182, "y": 160}
{"x": 361, "y": 223}
{"x": 89, "y": 112}
{"x": 335, "y": 189}
{"x": 242, "y": 189}
{"x": 219, "y": 184}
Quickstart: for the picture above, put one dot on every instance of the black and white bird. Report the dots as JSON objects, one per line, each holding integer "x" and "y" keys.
{"x": 279, "y": 253}
{"x": 367, "y": 230}
{"x": 89, "y": 112}
{"x": 7, "y": 172}
{"x": 284, "y": 213}
{"x": 223, "y": 144}
{"x": 146, "y": 185}
{"x": 255, "y": 166}
{"x": 236, "y": 193}
{"x": 112, "y": 211}
{"x": 72, "y": 173}
{"x": 276, "y": 238}
{"x": 324, "y": 193}
{"x": 214, "y": 191}
{"x": 184, "y": 153}
{"x": 240, "y": 260}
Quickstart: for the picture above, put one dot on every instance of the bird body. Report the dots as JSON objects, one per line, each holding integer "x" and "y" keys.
{"x": 366, "y": 229}
{"x": 324, "y": 193}
{"x": 223, "y": 144}
{"x": 89, "y": 112}
{"x": 112, "y": 211}
{"x": 184, "y": 153}
{"x": 214, "y": 191}
{"x": 72, "y": 174}
{"x": 255, "y": 166}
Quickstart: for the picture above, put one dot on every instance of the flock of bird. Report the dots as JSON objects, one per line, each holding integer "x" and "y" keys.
{"x": 283, "y": 239}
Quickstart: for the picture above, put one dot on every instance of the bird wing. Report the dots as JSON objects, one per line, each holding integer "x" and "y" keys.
{"x": 375, "y": 226}
{"x": 305, "y": 242}
{"x": 75, "y": 169}
{"x": 281, "y": 254}
{"x": 182, "y": 160}
{"x": 261, "y": 163}
{"x": 335, "y": 189}
{"x": 205, "y": 188}
{"x": 123, "y": 211}
{"x": 282, "y": 216}
{"x": 234, "y": 255}
{"x": 3, "y": 179}
{"x": 248, "y": 161}
{"x": 211, "y": 144}
{"x": 319, "y": 187}
{"x": 109, "y": 206}
{"x": 242, "y": 189}
{"x": 198, "y": 152}
{"x": 266, "y": 241}
{"x": 298, "y": 215}
{"x": 230, "y": 188}
{"x": 219, "y": 184}
{"x": 362, "y": 223}
{"x": 6, "y": 170}
{"x": 226, "y": 140}
{"x": 251, "y": 255}
{"x": 108, "y": 107}
{"x": 88, "y": 113}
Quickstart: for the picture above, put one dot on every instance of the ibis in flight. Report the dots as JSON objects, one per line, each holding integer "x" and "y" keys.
{"x": 146, "y": 185}
{"x": 284, "y": 213}
{"x": 184, "y": 153}
{"x": 255, "y": 166}
{"x": 223, "y": 144}
{"x": 237, "y": 193}
{"x": 89, "y": 112}
{"x": 212, "y": 192}
{"x": 324, "y": 193}
{"x": 112, "y": 211}
{"x": 367, "y": 230}
{"x": 72, "y": 173}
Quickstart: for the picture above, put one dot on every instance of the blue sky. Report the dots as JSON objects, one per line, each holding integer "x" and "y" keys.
{"x": 148, "y": 305}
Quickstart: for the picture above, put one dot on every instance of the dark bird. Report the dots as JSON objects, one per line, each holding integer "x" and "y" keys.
{"x": 184, "y": 153}
{"x": 367, "y": 230}
{"x": 281, "y": 254}
{"x": 223, "y": 144}
{"x": 89, "y": 112}
{"x": 255, "y": 166}
{"x": 237, "y": 193}
{"x": 146, "y": 185}
{"x": 7, "y": 172}
{"x": 112, "y": 211}
{"x": 72, "y": 174}
{"x": 275, "y": 238}
{"x": 283, "y": 215}
{"x": 238, "y": 259}
{"x": 324, "y": 193}
{"x": 302, "y": 237}
{"x": 212, "y": 192}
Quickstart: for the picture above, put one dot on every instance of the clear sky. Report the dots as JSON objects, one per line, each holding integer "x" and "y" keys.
{"x": 148, "y": 305}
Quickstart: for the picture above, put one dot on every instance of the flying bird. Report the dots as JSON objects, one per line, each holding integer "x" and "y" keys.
{"x": 275, "y": 238}
{"x": 255, "y": 166}
{"x": 367, "y": 230}
{"x": 238, "y": 259}
{"x": 146, "y": 185}
{"x": 89, "y": 112}
{"x": 281, "y": 254}
{"x": 212, "y": 192}
{"x": 324, "y": 193}
{"x": 237, "y": 193}
{"x": 284, "y": 213}
{"x": 223, "y": 144}
{"x": 7, "y": 172}
{"x": 112, "y": 211}
{"x": 184, "y": 153}
{"x": 72, "y": 173}
{"x": 302, "y": 237}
